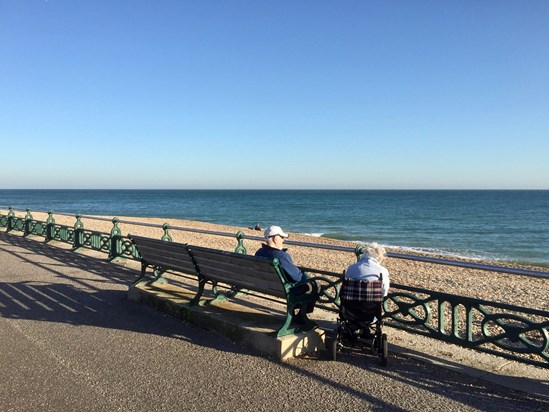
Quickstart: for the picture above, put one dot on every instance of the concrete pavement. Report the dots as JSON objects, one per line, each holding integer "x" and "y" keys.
{"x": 71, "y": 340}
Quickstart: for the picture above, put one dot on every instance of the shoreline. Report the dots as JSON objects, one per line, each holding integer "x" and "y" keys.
{"x": 517, "y": 290}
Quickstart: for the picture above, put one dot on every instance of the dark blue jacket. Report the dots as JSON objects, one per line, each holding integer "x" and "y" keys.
{"x": 292, "y": 271}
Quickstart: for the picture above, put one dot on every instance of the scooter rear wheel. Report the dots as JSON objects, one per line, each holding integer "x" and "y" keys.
{"x": 384, "y": 349}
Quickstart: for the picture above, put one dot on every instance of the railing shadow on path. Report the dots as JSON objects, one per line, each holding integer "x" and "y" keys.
{"x": 84, "y": 303}
{"x": 455, "y": 366}
{"x": 465, "y": 389}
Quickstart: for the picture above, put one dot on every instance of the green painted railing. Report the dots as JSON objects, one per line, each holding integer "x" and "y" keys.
{"x": 513, "y": 332}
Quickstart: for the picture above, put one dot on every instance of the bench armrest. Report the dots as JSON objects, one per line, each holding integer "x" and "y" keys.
{"x": 328, "y": 290}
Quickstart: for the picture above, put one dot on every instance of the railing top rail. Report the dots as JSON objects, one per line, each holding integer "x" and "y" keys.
{"x": 436, "y": 260}
{"x": 471, "y": 265}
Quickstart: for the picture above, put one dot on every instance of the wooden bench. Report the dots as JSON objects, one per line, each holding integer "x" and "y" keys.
{"x": 260, "y": 275}
{"x": 233, "y": 269}
{"x": 162, "y": 255}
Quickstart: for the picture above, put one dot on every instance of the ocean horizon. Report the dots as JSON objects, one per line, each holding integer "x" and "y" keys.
{"x": 494, "y": 225}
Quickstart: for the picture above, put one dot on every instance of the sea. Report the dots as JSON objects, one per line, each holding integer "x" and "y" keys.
{"x": 495, "y": 225}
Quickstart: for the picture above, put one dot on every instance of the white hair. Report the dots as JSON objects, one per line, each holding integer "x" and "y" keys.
{"x": 376, "y": 251}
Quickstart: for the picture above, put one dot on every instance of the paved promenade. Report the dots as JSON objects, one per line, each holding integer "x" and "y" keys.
{"x": 71, "y": 340}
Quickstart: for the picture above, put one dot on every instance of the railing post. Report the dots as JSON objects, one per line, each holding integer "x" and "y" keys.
{"x": 50, "y": 222}
{"x": 240, "y": 248}
{"x": 28, "y": 219}
{"x": 11, "y": 216}
{"x": 166, "y": 236}
{"x": 78, "y": 228}
{"x": 116, "y": 234}
{"x": 158, "y": 271}
{"x": 358, "y": 251}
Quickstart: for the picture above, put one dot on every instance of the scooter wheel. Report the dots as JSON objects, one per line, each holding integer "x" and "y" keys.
{"x": 384, "y": 350}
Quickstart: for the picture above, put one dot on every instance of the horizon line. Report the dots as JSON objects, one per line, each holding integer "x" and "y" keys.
{"x": 294, "y": 189}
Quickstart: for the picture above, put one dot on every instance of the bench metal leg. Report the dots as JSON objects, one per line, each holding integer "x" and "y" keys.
{"x": 304, "y": 323}
{"x": 201, "y": 286}
{"x": 142, "y": 276}
{"x": 285, "y": 329}
{"x": 158, "y": 272}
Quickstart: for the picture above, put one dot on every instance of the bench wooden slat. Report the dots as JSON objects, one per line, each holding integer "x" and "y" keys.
{"x": 220, "y": 269}
{"x": 263, "y": 270}
{"x": 270, "y": 287}
{"x": 170, "y": 260}
{"x": 162, "y": 245}
{"x": 171, "y": 255}
{"x": 252, "y": 262}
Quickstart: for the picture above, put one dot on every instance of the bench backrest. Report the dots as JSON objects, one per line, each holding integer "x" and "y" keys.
{"x": 242, "y": 271}
{"x": 162, "y": 253}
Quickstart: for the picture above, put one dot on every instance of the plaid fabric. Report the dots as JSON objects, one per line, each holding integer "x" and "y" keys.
{"x": 361, "y": 290}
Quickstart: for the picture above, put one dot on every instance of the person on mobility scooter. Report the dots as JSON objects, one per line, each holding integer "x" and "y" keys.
{"x": 364, "y": 286}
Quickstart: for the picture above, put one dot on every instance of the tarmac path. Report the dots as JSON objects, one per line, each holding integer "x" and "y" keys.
{"x": 71, "y": 341}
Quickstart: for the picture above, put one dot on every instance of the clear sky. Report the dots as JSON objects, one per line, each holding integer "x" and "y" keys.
{"x": 274, "y": 94}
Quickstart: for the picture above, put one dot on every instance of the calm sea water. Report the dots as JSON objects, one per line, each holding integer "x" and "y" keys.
{"x": 495, "y": 225}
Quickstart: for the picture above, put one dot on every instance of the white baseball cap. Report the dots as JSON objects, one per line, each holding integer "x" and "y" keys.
{"x": 273, "y": 231}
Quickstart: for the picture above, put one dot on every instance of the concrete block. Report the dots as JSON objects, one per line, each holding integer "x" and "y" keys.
{"x": 244, "y": 324}
{"x": 300, "y": 343}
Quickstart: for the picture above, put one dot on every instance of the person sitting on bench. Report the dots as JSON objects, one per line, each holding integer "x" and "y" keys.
{"x": 273, "y": 248}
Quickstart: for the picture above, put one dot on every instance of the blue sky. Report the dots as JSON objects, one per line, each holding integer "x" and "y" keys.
{"x": 274, "y": 94}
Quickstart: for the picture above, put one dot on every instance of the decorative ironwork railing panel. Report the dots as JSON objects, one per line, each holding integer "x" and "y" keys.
{"x": 95, "y": 240}
{"x": 37, "y": 228}
{"x": 62, "y": 233}
{"x": 125, "y": 248}
{"x": 18, "y": 224}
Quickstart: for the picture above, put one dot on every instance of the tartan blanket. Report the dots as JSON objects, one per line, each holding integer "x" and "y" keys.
{"x": 361, "y": 290}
